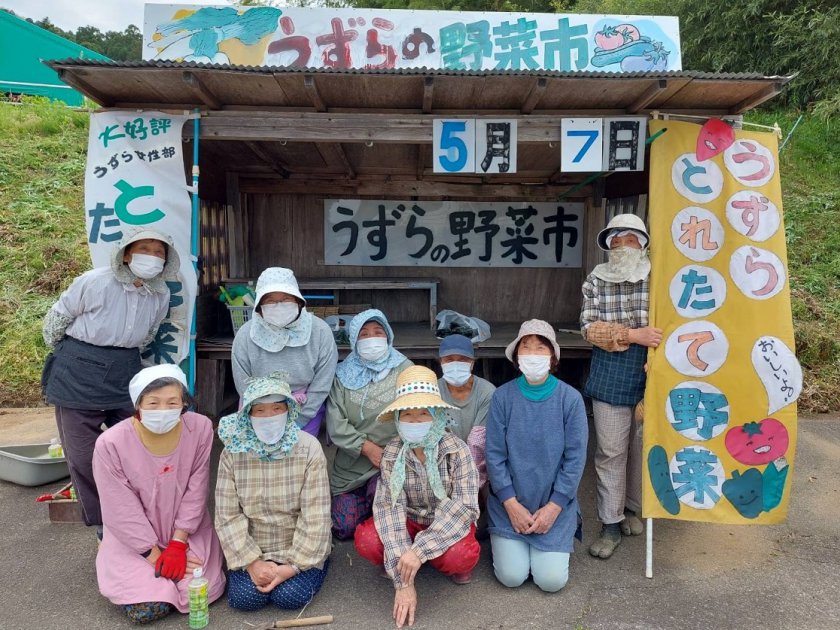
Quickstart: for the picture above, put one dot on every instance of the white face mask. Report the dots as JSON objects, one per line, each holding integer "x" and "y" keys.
{"x": 456, "y": 373}
{"x": 534, "y": 366}
{"x": 280, "y": 314}
{"x": 623, "y": 257}
{"x": 160, "y": 421}
{"x": 270, "y": 430}
{"x": 145, "y": 266}
{"x": 372, "y": 348}
{"x": 413, "y": 432}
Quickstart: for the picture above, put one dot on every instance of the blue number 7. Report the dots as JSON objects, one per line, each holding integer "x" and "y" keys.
{"x": 590, "y": 134}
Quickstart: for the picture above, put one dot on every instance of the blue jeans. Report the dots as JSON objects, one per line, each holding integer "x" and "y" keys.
{"x": 514, "y": 560}
{"x": 292, "y": 594}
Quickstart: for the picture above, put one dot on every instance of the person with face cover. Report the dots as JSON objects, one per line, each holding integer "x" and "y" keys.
{"x": 153, "y": 476}
{"x": 536, "y": 451}
{"x": 614, "y": 319}
{"x": 426, "y": 502}
{"x": 469, "y": 395}
{"x": 283, "y": 336}
{"x": 272, "y": 501}
{"x": 364, "y": 385}
{"x": 96, "y": 331}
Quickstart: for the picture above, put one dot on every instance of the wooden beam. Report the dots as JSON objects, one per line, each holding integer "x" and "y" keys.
{"x": 273, "y": 163}
{"x": 314, "y": 94}
{"x": 201, "y": 90}
{"x": 329, "y": 127}
{"x": 757, "y": 98}
{"x": 407, "y": 188}
{"x": 428, "y": 94}
{"x": 75, "y": 81}
{"x": 534, "y": 96}
{"x": 653, "y": 90}
{"x": 334, "y": 154}
{"x": 424, "y": 156}
{"x": 279, "y": 81}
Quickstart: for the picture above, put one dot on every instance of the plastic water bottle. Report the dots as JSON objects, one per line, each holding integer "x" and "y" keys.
{"x": 199, "y": 608}
{"x": 55, "y": 449}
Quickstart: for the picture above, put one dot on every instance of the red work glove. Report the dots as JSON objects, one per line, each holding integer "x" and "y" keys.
{"x": 172, "y": 562}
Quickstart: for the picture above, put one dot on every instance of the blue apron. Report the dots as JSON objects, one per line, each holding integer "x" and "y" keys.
{"x": 617, "y": 378}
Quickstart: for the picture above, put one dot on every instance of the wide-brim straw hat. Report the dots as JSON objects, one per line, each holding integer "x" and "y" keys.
{"x": 534, "y": 327}
{"x": 417, "y": 388}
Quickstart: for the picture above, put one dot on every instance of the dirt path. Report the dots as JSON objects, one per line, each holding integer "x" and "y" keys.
{"x": 28, "y": 425}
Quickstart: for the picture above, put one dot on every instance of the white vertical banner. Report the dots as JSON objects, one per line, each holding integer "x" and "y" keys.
{"x": 135, "y": 178}
{"x": 581, "y": 145}
{"x": 495, "y": 146}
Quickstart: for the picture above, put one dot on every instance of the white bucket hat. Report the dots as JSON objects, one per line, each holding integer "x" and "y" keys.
{"x": 621, "y": 222}
{"x": 534, "y": 327}
{"x": 278, "y": 279}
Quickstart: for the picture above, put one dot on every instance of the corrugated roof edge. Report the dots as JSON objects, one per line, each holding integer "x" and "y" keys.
{"x": 189, "y": 65}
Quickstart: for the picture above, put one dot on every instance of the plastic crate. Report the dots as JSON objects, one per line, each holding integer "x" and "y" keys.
{"x": 239, "y": 315}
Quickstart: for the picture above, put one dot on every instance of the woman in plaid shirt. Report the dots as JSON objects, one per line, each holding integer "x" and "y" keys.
{"x": 614, "y": 319}
{"x": 426, "y": 502}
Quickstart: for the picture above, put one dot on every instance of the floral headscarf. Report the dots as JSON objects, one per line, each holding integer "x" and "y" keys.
{"x": 237, "y": 433}
{"x": 355, "y": 372}
{"x": 430, "y": 449}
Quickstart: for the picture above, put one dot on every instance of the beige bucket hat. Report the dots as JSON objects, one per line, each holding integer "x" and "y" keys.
{"x": 534, "y": 327}
{"x": 621, "y": 222}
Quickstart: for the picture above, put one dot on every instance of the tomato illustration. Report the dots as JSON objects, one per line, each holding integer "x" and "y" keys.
{"x": 756, "y": 443}
{"x": 612, "y": 37}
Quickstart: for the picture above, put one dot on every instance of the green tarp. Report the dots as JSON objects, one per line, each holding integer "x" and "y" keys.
{"x": 22, "y": 47}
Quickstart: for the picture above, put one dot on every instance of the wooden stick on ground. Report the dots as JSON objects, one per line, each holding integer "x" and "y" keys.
{"x": 305, "y": 621}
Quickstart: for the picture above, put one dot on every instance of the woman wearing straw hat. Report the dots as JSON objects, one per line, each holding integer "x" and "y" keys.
{"x": 536, "y": 451}
{"x": 426, "y": 503}
{"x": 364, "y": 385}
{"x": 153, "y": 473}
{"x": 283, "y": 336}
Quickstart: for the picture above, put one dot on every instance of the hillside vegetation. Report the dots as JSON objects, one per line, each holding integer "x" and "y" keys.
{"x": 42, "y": 240}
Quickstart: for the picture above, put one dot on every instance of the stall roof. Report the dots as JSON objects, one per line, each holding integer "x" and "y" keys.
{"x": 421, "y": 90}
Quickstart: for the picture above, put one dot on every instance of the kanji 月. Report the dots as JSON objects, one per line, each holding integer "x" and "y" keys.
{"x": 498, "y": 141}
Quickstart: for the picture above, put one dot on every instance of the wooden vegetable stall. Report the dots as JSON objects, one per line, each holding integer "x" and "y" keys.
{"x": 277, "y": 144}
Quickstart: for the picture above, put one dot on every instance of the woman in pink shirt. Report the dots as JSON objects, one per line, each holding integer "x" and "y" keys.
{"x": 152, "y": 473}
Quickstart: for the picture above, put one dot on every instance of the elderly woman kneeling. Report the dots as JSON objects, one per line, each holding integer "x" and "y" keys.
{"x": 153, "y": 474}
{"x": 272, "y": 501}
{"x": 426, "y": 502}
{"x": 536, "y": 451}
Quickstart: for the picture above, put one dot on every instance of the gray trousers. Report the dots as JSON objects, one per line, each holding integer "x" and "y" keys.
{"x": 618, "y": 461}
{"x": 78, "y": 430}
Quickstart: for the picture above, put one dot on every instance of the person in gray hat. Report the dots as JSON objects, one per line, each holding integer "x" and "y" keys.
{"x": 614, "y": 319}
{"x": 468, "y": 393}
{"x": 95, "y": 331}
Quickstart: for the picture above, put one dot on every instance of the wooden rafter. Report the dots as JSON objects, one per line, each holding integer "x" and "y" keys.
{"x": 428, "y": 94}
{"x": 535, "y": 94}
{"x": 314, "y": 93}
{"x": 333, "y": 153}
{"x": 75, "y": 81}
{"x": 201, "y": 90}
{"x": 757, "y": 98}
{"x": 646, "y": 98}
{"x": 273, "y": 163}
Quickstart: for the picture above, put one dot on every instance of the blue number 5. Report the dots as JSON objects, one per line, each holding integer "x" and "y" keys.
{"x": 590, "y": 134}
{"x": 449, "y": 141}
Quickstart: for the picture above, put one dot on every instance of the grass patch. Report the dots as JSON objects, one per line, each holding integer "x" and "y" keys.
{"x": 43, "y": 242}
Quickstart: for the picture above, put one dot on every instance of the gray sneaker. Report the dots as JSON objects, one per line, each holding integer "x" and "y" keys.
{"x": 631, "y": 525}
{"x": 609, "y": 539}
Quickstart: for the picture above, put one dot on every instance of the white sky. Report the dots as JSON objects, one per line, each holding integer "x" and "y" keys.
{"x": 106, "y": 15}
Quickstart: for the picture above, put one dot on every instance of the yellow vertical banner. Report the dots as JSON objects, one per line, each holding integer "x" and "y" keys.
{"x": 720, "y": 402}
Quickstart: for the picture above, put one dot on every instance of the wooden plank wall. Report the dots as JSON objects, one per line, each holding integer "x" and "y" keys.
{"x": 287, "y": 230}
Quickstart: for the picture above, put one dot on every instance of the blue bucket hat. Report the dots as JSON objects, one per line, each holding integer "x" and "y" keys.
{"x": 456, "y": 344}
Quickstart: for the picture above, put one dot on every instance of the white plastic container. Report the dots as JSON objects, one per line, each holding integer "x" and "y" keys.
{"x": 31, "y": 465}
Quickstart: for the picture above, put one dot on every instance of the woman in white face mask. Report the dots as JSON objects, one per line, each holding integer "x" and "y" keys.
{"x": 153, "y": 474}
{"x": 428, "y": 495}
{"x": 364, "y": 385}
{"x": 283, "y": 336}
{"x": 536, "y": 451}
{"x": 272, "y": 501}
{"x": 96, "y": 331}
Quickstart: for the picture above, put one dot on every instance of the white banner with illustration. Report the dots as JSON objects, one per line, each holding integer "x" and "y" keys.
{"x": 373, "y": 39}
{"x": 452, "y": 233}
{"x": 135, "y": 179}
